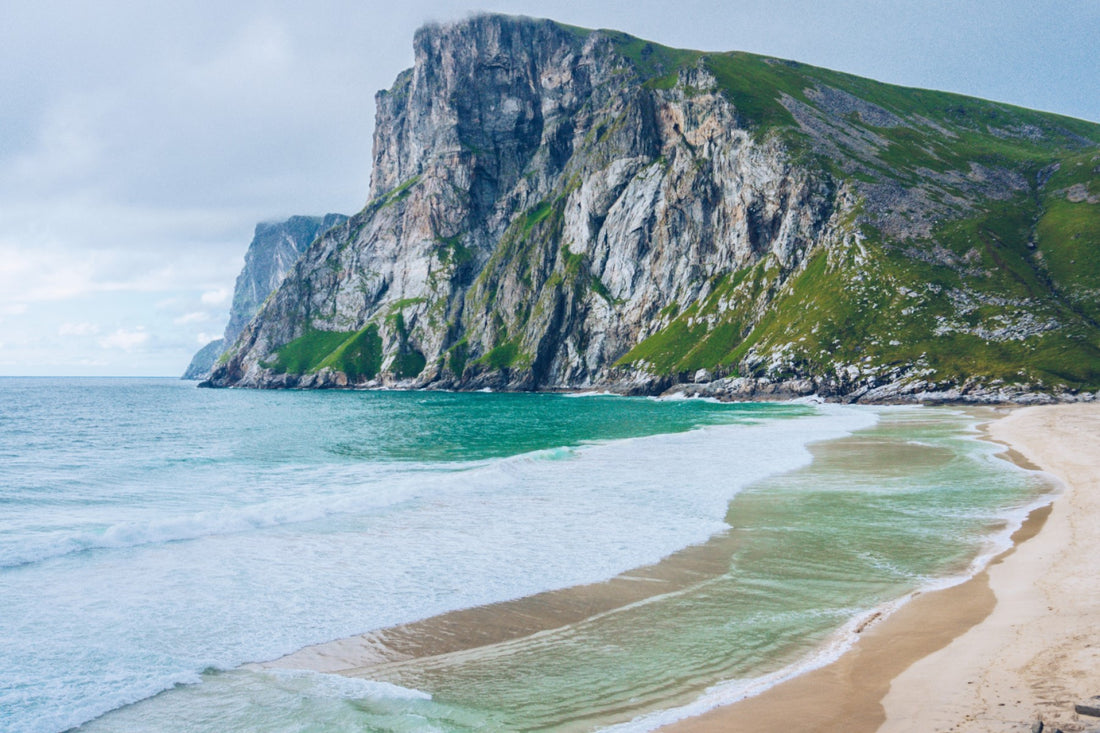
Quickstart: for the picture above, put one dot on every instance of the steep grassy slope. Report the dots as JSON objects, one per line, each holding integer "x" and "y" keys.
{"x": 992, "y": 281}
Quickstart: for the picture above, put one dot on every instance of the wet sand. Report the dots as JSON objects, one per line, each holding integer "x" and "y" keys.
{"x": 1015, "y": 644}
{"x": 843, "y": 697}
{"x": 499, "y": 623}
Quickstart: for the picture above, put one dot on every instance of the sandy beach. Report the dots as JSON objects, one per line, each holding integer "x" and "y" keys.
{"x": 1015, "y": 645}
{"x": 1038, "y": 652}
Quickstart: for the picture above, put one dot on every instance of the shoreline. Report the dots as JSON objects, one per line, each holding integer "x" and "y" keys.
{"x": 391, "y": 650}
{"x": 726, "y": 389}
{"x": 471, "y": 630}
{"x": 844, "y": 695}
{"x": 463, "y": 630}
{"x": 1036, "y": 655}
{"x": 1000, "y": 651}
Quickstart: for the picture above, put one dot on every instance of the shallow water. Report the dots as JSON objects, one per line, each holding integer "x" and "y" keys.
{"x": 153, "y": 534}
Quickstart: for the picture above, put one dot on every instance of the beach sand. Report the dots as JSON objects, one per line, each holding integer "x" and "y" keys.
{"x": 1017, "y": 643}
{"x": 1038, "y": 652}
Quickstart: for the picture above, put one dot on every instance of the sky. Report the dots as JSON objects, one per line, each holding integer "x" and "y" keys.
{"x": 141, "y": 141}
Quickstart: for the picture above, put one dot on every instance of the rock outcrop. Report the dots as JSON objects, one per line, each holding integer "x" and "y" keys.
{"x": 556, "y": 208}
{"x": 275, "y": 247}
{"x": 202, "y": 363}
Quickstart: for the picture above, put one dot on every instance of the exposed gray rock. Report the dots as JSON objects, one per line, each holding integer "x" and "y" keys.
{"x": 1079, "y": 193}
{"x": 203, "y": 361}
{"x": 274, "y": 249}
{"x": 545, "y": 201}
{"x": 629, "y": 200}
{"x": 840, "y": 104}
{"x": 1089, "y": 707}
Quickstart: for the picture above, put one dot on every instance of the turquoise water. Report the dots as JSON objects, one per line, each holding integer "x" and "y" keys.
{"x": 154, "y": 537}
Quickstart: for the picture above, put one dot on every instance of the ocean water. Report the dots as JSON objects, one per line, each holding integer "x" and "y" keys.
{"x": 154, "y": 538}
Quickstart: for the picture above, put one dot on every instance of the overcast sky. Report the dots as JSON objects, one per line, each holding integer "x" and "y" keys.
{"x": 140, "y": 142}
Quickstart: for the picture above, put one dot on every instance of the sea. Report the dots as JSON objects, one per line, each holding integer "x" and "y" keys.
{"x": 156, "y": 539}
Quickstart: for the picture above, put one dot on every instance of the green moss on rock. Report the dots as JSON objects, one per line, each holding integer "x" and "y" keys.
{"x": 358, "y": 354}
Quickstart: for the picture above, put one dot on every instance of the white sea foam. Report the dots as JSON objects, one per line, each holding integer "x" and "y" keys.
{"x": 592, "y": 393}
{"x": 382, "y": 493}
{"x": 807, "y": 400}
{"x": 339, "y": 686}
{"x": 727, "y": 693}
{"x": 252, "y": 582}
{"x": 334, "y": 555}
{"x": 996, "y": 543}
{"x": 393, "y": 488}
{"x": 368, "y": 494}
{"x": 681, "y": 397}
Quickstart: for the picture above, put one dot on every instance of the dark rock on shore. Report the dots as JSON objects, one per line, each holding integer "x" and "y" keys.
{"x": 1089, "y": 707}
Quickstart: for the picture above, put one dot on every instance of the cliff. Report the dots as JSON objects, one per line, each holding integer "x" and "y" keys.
{"x": 275, "y": 247}
{"x": 552, "y": 207}
{"x": 202, "y": 363}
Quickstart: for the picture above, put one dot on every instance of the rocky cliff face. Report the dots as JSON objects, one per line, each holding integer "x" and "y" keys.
{"x": 274, "y": 249}
{"x": 556, "y": 208}
{"x": 202, "y": 363}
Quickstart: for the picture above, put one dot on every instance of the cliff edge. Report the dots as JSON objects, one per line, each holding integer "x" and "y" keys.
{"x": 274, "y": 249}
{"x": 558, "y": 208}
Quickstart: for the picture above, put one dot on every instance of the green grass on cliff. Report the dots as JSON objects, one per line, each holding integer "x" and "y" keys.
{"x": 358, "y": 354}
{"x": 407, "y": 362}
{"x": 936, "y": 304}
{"x": 1068, "y": 232}
{"x": 360, "y": 357}
{"x": 305, "y": 353}
{"x": 501, "y": 357}
{"x": 708, "y": 333}
{"x": 457, "y": 356}
{"x": 1003, "y": 289}
{"x": 939, "y": 131}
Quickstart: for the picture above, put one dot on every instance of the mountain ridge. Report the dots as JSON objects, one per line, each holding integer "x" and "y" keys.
{"x": 275, "y": 247}
{"x": 556, "y": 208}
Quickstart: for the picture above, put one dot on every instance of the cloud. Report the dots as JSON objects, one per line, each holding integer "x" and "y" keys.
{"x": 68, "y": 147}
{"x": 260, "y": 51}
{"x": 216, "y": 297}
{"x": 195, "y": 317}
{"x": 78, "y": 329}
{"x": 124, "y": 339}
{"x": 39, "y": 265}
